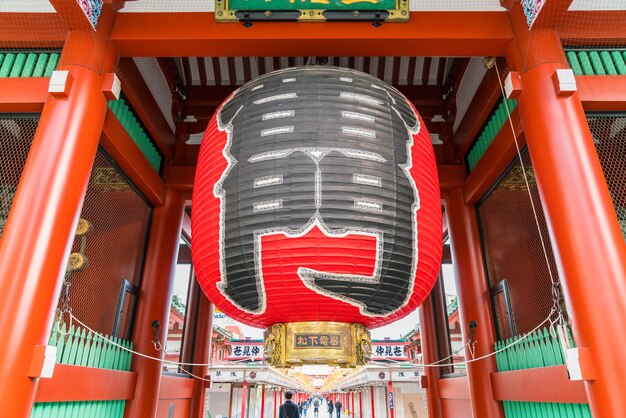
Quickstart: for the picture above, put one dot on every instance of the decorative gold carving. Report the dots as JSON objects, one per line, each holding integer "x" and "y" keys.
{"x": 273, "y": 350}
{"x": 333, "y": 343}
{"x": 83, "y": 228}
{"x": 108, "y": 179}
{"x": 76, "y": 262}
{"x": 514, "y": 180}
{"x": 362, "y": 344}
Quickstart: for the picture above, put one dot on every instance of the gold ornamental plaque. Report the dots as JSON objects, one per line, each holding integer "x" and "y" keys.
{"x": 333, "y": 343}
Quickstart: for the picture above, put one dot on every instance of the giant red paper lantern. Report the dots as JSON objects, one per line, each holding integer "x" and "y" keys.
{"x": 316, "y": 198}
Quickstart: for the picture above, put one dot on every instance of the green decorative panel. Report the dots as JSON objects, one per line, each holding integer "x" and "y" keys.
{"x": 79, "y": 347}
{"x": 131, "y": 124}
{"x": 597, "y": 62}
{"x": 85, "y": 409}
{"x": 27, "y": 64}
{"x": 540, "y": 349}
{"x": 497, "y": 119}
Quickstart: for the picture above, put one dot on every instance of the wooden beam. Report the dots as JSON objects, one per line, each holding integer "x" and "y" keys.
{"x": 140, "y": 97}
{"x": 496, "y": 159}
{"x": 213, "y": 96}
{"x": 174, "y": 387}
{"x": 32, "y": 30}
{"x": 480, "y": 108}
{"x": 23, "y": 95}
{"x": 593, "y": 28}
{"x": 426, "y": 34}
{"x": 180, "y": 177}
{"x": 450, "y": 176}
{"x": 119, "y": 145}
{"x": 544, "y": 384}
{"x": 602, "y": 93}
{"x": 454, "y": 388}
{"x": 95, "y": 384}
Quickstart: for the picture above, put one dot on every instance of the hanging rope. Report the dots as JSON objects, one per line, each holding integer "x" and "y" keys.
{"x": 558, "y": 315}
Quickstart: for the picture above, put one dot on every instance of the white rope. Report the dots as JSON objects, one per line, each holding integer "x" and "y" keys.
{"x": 435, "y": 364}
{"x": 486, "y": 355}
{"x": 160, "y": 360}
{"x": 530, "y": 196}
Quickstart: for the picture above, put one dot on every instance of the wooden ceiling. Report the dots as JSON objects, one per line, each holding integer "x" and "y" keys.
{"x": 200, "y": 84}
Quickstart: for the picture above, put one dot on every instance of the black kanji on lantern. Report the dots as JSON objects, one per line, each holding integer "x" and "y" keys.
{"x": 327, "y": 147}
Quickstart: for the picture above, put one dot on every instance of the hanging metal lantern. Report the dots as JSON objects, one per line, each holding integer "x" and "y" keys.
{"x": 316, "y": 199}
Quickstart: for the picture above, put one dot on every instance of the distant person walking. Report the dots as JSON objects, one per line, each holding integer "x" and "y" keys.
{"x": 316, "y": 407}
{"x": 338, "y": 408}
{"x": 331, "y": 408}
{"x": 288, "y": 409}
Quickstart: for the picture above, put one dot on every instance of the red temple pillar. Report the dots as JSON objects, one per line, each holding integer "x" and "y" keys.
{"x": 474, "y": 302}
{"x": 428, "y": 337}
{"x": 244, "y": 398}
{"x": 586, "y": 237}
{"x": 203, "y": 330}
{"x": 391, "y": 400}
{"x": 36, "y": 241}
{"x": 154, "y": 303}
{"x": 360, "y": 404}
{"x": 372, "y": 400}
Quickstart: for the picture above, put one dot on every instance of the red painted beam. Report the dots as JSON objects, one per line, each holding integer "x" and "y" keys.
{"x": 545, "y": 384}
{"x": 77, "y": 383}
{"x": 32, "y": 30}
{"x": 23, "y": 94}
{"x": 450, "y": 176}
{"x": 593, "y": 28}
{"x": 602, "y": 93}
{"x": 454, "y": 388}
{"x": 180, "y": 178}
{"x": 173, "y": 387}
{"x": 140, "y": 97}
{"x": 426, "y": 34}
{"x": 131, "y": 160}
{"x": 495, "y": 160}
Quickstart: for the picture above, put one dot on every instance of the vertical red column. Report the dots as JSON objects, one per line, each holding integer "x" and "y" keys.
{"x": 154, "y": 303}
{"x": 474, "y": 302}
{"x": 392, "y": 406}
{"x": 428, "y": 336}
{"x": 204, "y": 332}
{"x": 40, "y": 227}
{"x": 244, "y": 398}
{"x": 361, "y": 404}
{"x": 262, "y": 401}
{"x": 372, "y": 400}
{"x": 586, "y": 237}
